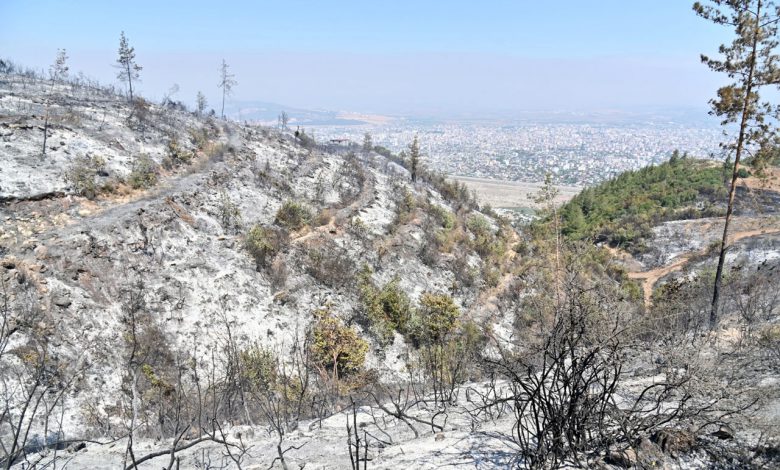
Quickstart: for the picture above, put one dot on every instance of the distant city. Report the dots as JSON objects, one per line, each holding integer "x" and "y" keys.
{"x": 578, "y": 154}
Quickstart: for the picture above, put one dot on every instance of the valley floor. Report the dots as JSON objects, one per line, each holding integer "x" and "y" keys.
{"x": 511, "y": 194}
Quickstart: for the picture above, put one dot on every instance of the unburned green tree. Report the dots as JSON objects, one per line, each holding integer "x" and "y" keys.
{"x": 368, "y": 144}
{"x": 448, "y": 345}
{"x": 414, "y": 158}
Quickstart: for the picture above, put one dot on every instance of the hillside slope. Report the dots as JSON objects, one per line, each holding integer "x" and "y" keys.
{"x": 623, "y": 211}
{"x": 170, "y": 281}
{"x": 148, "y": 208}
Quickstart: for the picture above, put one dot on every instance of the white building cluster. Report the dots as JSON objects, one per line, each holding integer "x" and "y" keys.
{"x": 576, "y": 154}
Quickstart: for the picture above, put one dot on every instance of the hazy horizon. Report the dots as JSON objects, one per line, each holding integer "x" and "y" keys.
{"x": 453, "y": 58}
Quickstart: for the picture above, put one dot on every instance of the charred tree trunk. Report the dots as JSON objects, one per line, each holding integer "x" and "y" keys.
{"x": 749, "y": 82}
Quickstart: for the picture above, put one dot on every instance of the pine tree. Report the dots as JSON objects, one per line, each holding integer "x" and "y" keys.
{"x": 414, "y": 158}
{"x": 368, "y": 144}
{"x": 750, "y": 61}
{"x": 128, "y": 69}
{"x": 226, "y": 82}
{"x": 59, "y": 69}
{"x": 200, "y": 103}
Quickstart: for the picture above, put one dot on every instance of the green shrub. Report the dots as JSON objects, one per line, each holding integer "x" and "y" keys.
{"x": 144, "y": 173}
{"x": 229, "y": 213}
{"x": 436, "y": 318}
{"x": 262, "y": 243}
{"x": 454, "y": 192}
{"x": 485, "y": 242}
{"x": 442, "y": 216}
{"x": 404, "y": 208}
{"x": 177, "y": 155}
{"x": 491, "y": 275}
{"x": 82, "y": 173}
{"x": 632, "y": 289}
{"x": 478, "y": 225}
{"x": 336, "y": 349}
{"x": 387, "y": 309}
{"x": 279, "y": 388}
{"x": 743, "y": 173}
{"x": 154, "y": 380}
{"x": 259, "y": 368}
{"x": 293, "y": 215}
{"x": 487, "y": 209}
{"x": 451, "y": 360}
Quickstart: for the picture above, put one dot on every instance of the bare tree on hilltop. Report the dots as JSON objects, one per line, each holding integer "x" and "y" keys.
{"x": 284, "y": 119}
{"x": 128, "y": 69}
{"x": 226, "y": 82}
{"x": 750, "y": 60}
{"x": 59, "y": 69}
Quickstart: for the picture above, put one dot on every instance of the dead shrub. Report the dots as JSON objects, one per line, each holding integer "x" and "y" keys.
{"x": 331, "y": 265}
{"x": 278, "y": 272}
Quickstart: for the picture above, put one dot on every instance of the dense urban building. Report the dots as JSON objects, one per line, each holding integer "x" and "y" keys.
{"x": 574, "y": 153}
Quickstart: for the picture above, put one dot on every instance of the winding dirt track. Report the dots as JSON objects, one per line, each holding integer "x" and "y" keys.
{"x": 649, "y": 278}
{"x": 770, "y": 181}
{"x": 364, "y": 199}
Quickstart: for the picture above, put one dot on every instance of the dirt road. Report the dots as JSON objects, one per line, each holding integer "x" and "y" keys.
{"x": 651, "y": 277}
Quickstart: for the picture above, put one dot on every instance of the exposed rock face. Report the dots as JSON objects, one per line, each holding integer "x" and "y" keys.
{"x": 61, "y": 301}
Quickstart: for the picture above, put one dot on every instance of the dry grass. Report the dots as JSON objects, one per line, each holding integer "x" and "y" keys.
{"x": 511, "y": 194}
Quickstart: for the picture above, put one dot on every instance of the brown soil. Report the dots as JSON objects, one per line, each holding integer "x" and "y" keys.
{"x": 770, "y": 181}
{"x": 651, "y": 277}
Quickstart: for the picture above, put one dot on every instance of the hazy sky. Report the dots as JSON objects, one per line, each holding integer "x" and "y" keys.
{"x": 413, "y": 57}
